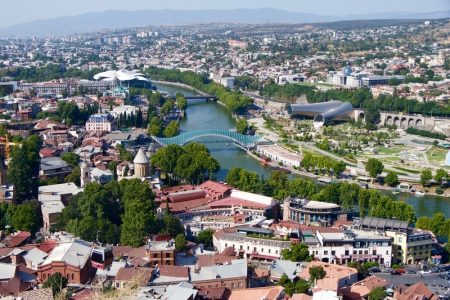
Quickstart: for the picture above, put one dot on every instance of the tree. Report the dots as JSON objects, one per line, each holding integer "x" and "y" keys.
{"x": 172, "y": 129}
{"x": 138, "y": 217}
{"x": 242, "y": 125}
{"x": 391, "y": 179}
{"x": 377, "y": 293}
{"x": 180, "y": 242}
{"x": 317, "y": 273}
{"x": 299, "y": 286}
{"x": 71, "y": 158}
{"x": 425, "y": 176}
{"x": 297, "y": 252}
{"x": 205, "y": 237}
{"x": 74, "y": 176}
{"x": 440, "y": 175}
{"x": 374, "y": 167}
{"x": 155, "y": 127}
{"x": 338, "y": 168}
{"x": 57, "y": 282}
{"x": 23, "y": 170}
{"x": 181, "y": 101}
{"x": 25, "y": 217}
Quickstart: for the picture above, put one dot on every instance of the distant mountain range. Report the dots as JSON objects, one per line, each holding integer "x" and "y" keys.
{"x": 90, "y": 22}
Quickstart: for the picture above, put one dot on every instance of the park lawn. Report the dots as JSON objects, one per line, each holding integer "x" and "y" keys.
{"x": 389, "y": 151}
{"x": 436, "y": 155}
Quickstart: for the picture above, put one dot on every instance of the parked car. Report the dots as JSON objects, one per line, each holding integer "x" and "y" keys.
{"x": 425, "y": 272}
{"x": 396, "y": 272}
{"x": 374, "y": 270}
{"x": 411, "y": 271}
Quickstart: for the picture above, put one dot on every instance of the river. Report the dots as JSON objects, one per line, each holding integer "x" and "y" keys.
{"x": 204, "y": 115}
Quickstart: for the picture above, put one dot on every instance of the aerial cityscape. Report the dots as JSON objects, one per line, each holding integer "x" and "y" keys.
{"x": 192, "y": 150}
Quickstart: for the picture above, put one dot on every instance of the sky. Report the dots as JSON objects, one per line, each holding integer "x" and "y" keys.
{"x": 20, "y": 11}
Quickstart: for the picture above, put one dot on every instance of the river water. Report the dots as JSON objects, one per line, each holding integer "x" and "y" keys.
{"x": 210, "y": 115}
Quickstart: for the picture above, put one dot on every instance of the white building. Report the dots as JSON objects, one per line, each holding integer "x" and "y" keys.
{"x": 227, "y": 82}
{"x": 250, "y": 241}
{"x": 352, "y": 245}
{"x": 99, "y": 122}
{"x": 278, "y": 154}
{"x": 52, "y": 199}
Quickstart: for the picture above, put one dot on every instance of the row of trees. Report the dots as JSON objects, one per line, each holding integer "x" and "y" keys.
{"x": 70, "y": 114}
{"x": 46, "y": 73}
{"x": 312, "y": 162}
{"x": 122, "y": 212}
{"x": 234, "y": 100}
{"x": 131, "y": 120}
{"x": 350, "y": 196}
{"x": 426, "y": 133}
{"x": 438, "y": 224}
{"x": 191, "y": 163}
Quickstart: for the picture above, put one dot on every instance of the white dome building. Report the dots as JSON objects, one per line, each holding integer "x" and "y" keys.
{"x": 133, "y": 78}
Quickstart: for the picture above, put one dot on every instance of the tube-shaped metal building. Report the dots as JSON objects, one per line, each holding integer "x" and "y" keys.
{"x": 324, "y": 112}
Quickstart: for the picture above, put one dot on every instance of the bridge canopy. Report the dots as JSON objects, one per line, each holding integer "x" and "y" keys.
{"x": 246, "y": 141}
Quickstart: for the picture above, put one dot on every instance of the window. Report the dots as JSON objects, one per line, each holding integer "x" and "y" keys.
{"x": 233, "y": 285}
{"x": 400, "y": 239}
{"x": 276, "y": 251}
{"x": 374, "y": 252}
{"x": 241, "y": 247}
{"x": 269, "y": 250}
{"x": 226, "y": 245}
{"x": 262, "y": 250}
{"x": 240, "y": 284}
{"x": 333, "y": 252}
{"x": 167, "y": 255}
{"x": 325, "y": 252}
{"x": 248, "y": 247}
{"x": 254, "y": 249}
{"x": 155, "y": 255}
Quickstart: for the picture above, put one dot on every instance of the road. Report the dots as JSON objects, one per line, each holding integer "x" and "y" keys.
{"x": 434, "y": 283}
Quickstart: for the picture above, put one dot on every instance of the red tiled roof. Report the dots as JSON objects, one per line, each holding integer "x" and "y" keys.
{"x": 174, "y": 271}
{"x": 231, "y": 201}
{"x": 185, "y": 205}
{"x": 128, "y": 274}
{"x": 186, "y": 196}
{"x": 18, "y": 239}
{"x": 216, "y": 187}
{"x": 214, "y": 293}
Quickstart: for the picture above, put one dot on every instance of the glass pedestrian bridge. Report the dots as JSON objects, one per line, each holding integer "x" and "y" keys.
{"x": 245, "y": 141}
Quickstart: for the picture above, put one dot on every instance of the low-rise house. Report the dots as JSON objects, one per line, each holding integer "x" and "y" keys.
{"x": 14, "y": 280}
{"x": 231, "y": 276}
{"x": 266, "y": 293}
{"x": 132, "y": 275}
{"x": 53, "y": 199}
{"x": 161, "y": 253}
{"x": 336, "y": 278}
{"x": 362, "y": 289}
{"x": 415, "y": 291}
{"x": 53, "y": 167}
{"x": 71, "y": 259}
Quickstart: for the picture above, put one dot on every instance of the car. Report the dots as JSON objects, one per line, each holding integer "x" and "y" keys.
{"x": 425, "y": 272}
{"x": 374, "y": 270}
{"x": 396, "y": 272}
{"x": 411, "y": 272}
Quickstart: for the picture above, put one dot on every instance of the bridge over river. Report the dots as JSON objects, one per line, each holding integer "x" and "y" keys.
{"x": 243, "y": 141}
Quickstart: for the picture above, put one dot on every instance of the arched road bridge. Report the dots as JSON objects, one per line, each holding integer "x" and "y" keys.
{"x": 244, "y": 141}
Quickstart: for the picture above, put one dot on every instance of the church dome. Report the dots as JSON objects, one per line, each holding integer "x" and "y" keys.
{"x": 140, "y": 158}
{"x": 348, "y": 71}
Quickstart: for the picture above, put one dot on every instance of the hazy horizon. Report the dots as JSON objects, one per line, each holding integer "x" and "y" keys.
{"x": 27, "y": 10}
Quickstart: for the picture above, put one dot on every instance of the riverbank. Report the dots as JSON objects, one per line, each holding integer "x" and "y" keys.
{"x": 201, "y": 115}
{"x": 180, "y": 85}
